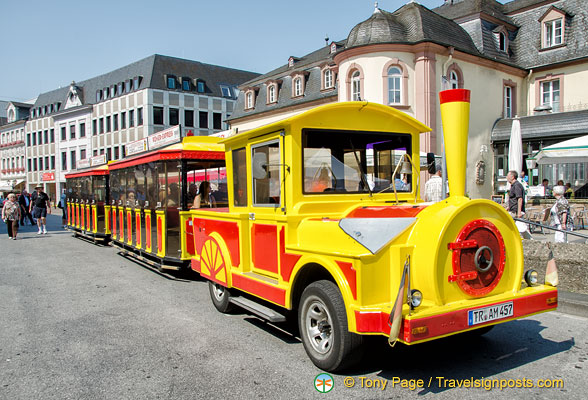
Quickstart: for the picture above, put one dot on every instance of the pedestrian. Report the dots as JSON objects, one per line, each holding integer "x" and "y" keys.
{"x": 560, "y": 213}
{"x": 11, "y": 215}
{"x": 546, "y": 187}
{"x": 434, "y": 186}
{"x": 41, "y": 204}
{"x": 516, "y": 195}
{"x": 25, "y": 202}
{"x": 569, "y": 194}
{"x": 63, "y": 205}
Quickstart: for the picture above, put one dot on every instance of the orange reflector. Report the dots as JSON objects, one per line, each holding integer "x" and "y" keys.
{"x": 420, "y": 330}
{"x": 551, "y": 300}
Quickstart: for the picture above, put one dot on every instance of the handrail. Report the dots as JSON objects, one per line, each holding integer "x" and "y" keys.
{"x": 526, "y": 221}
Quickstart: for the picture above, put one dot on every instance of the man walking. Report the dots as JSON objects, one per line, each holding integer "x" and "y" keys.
{"x": 25, "y": 202}
{"x": 40, "y": 204}
{"x": 516, "y": 195}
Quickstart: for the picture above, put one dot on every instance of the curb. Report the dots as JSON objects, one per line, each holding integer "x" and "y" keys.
{"x": 573, "y": 303}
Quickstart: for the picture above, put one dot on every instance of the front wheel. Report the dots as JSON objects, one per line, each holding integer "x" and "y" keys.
{"x": 322, "y": 322}
{"x": 220, "y": 296}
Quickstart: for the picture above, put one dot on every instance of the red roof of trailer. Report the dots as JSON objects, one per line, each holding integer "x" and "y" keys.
{"x": 96, "y": 171}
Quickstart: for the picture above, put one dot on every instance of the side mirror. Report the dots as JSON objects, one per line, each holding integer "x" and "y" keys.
{"x": 259, "y": 166}
{"x": 431, "y": 163}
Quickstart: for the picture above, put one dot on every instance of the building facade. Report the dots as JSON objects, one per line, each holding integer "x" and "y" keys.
{"x": 102, "y": 114}
{"x": 515, "y": 58}
{"x": 12, "y": 147}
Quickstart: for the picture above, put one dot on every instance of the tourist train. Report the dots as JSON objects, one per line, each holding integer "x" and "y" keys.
{"x": 318, "y": 217}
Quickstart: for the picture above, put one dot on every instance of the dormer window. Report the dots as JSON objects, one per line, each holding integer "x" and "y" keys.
{"x": 552, "y": 28}
{"x": 106, "y": 93}
{"x": 298, "y": 83}
{"x": 225, "y": 91}
{"x": 171, "y": 82}
{"x": 271, "y": 94}
{"x": 553, "y": 32}
{"x": 120, "y": 88}
{"x": 291, "y": 62}
{"x": 297, "y": 87}
{"x": 186, "y": 84}
{"x": 127, "y": 86}
{"x": 200, "y": 86}
{"x": 249, "y": 99}
{"x": 333, "y": 47}
{"x": 502, "y": 41}
{"x": 136, "y": 82}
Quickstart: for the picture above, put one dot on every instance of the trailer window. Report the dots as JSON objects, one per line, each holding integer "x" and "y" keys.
{"x": 239, "y": 178}
{"x": 354, "y": 162}
{"x": 265, "y": 160}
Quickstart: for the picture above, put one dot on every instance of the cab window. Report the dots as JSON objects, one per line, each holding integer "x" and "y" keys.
{"x": 265, "y": 160}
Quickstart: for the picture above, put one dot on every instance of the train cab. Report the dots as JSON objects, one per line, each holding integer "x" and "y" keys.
{"x": 87, "y": 195}
{"x": 325, "y": 219}
{"x": 153, "y": 190}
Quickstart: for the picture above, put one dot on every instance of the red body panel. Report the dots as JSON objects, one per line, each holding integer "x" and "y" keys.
{"x": 264, "y": 247}
{"x": 260, "y": 289}
{"x": 386, "y": 212}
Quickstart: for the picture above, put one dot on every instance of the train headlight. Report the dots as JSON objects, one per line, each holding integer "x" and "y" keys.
{"x": 416, "y": 298}
{"x": 531, "y": 277}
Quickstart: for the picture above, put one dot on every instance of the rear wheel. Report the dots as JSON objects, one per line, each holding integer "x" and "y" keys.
{"x": 322, "y": 322}
{"x": 220, "y": 296}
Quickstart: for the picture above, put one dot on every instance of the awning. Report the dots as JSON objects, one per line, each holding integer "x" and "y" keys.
{"x": 569, "y": 151}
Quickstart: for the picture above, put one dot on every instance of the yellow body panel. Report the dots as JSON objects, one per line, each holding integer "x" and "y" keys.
{"x": 160, "y": 215}
{"x": 107, "y": 217}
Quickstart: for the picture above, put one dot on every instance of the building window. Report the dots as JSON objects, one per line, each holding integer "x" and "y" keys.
{"x": 52, "y": 162}
{"x": 203, "y": 119}
{"x": 186, "y": 84}
{"x": 174, "y": 116}
{"x": 34, "y": 135}
{"x": 249, "y": 103}
{"x": 550, "y": 94}
{"x": 328, "y": 80}
{"x": 139, "y": 116}
{"x": 508, "y": 102}
{"x": 72, "y": 131}
{"x": 115, "y": 122}
{"x": 63, "y": 161}
{"x": 94, "y": 129}
{"x": 109, "y": 154}
{"x": 120, "y": 87}
{"x": 116, "y": 153}
{"x": 356, "y": 86}
{"x": 35, "y": 164}
{"x": 29, "y": 162}
{"x": 200, "y": 88}
{"x": 553, "y": 32}
{"x": 455, "y": 76}
{"x": 225, "y": 91}
{"x": 108, "y": 126}
{"x": 502, "y": 41}
{"x": 158, "y": 115}
{"x": 131, "y": 118}
{"x": 28, "y": 139}
{"x": 52, "y": 135}
{"x": 101, "y": 125}
{"x": 297, "y": 87}
{"x": 271, "y": 93}
{"x": 123, "y": 120}
{"x": 394, "y": 85}
{"x": 217, "y": 120}
{"x": 136, "y": 82}
{"x": 453, "y": 80}
{"x": 40, "y": 163}
{"x": 63, "y": 133}
{"x": 98, "y": 96}
{"x": 82, "y": 154}
{"x": 188, "y": 118}
{"x": 127, "y": 86}
{"x": 171, "y": 82}
{"x": 46, "y": 136}
{"x": 40, "y": 133}
{"x": 73, "y": 159}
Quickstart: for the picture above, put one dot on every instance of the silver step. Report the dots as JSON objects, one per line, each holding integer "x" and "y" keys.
{"x": 258, "y": 309}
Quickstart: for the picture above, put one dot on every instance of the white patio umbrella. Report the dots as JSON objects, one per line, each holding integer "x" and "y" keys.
{"x": 515, "y": 147}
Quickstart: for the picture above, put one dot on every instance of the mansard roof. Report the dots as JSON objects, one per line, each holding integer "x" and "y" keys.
{"x": 410, "y": 24}
{"x": 152, "y": 71}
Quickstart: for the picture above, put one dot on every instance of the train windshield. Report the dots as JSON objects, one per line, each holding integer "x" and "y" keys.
{"x": 354, "y": 162}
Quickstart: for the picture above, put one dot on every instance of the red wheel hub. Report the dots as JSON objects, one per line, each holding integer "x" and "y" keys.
{"x": 478, "y": 258}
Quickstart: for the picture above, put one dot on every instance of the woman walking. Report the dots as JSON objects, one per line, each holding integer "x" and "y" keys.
{"x": 560, "y": 214}
{"x": 11, "y": 215}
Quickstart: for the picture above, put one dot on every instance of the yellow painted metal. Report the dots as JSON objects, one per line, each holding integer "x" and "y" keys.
{"x": 121, "y": 224}
{"x": 138, "y": 239}
{"x": 161, "y": 237}
{"x": 129, "y": 230}
{"x": 148, "y": 235}
{"x": 455, "y": 117}
{"x": 94, "y": 219}
{"x": 185, "y": 219}
{"x": 312, "y": 235}
{"x": 107, "y": 217}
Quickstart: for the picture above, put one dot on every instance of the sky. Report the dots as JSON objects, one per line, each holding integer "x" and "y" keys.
{"x": 47, "y": 44}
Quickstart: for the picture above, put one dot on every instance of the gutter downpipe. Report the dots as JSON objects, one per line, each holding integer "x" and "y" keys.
{"x": 445, "y": 86}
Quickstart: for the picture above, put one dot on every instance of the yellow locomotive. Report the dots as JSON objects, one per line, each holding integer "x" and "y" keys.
{"x": 320, "y": 220}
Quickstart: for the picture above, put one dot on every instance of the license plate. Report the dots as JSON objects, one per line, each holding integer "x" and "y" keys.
{"x": 492, "y": 313}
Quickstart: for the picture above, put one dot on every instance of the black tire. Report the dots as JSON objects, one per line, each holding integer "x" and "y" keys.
{"x": 221, "y": 297}
{"x": 322, "y": 321}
